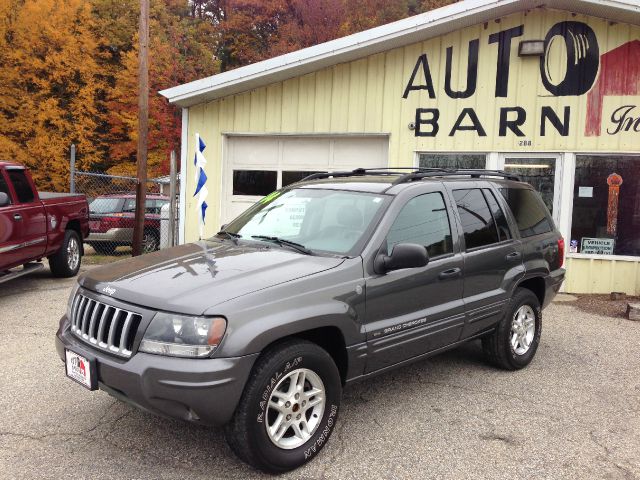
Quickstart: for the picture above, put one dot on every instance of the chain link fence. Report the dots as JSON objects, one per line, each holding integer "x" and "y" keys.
{"x": 112, "y": 205}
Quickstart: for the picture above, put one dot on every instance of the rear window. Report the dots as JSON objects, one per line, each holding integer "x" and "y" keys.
{"x": 528, "y": 210}
{"x": 106, "y": 205}
{"x": 477, "y": 221}
{"x": 21, "y": 185}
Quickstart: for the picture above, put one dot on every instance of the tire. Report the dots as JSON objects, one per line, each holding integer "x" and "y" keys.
{"x": 66, "y": 261}
{"x": 274, "y": 372}
{"x": 150, "y": 241}
{"x": 524, "y": 310}
{"x": 103, "y": 248}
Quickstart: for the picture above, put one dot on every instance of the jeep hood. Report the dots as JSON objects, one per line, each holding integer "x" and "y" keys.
{"x": 194, "y": 277}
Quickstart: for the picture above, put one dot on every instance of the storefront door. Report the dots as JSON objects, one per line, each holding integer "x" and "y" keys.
{"x": 543, "y": 171}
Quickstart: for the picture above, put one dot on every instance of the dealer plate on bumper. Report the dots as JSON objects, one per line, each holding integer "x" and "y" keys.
{"x": 81, "y": 370}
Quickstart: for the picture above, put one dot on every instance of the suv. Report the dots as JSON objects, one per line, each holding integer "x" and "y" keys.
{"x": 111, "y": 220}
{"x": 331, "y": 280}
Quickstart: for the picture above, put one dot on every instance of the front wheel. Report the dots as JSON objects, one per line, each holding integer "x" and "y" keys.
{"x": 288, "y": 409}
{"x": 515, "y": 341}
{"x": 66, "y": 261}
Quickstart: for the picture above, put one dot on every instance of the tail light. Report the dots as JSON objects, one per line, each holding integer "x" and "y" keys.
{"x": 560, "y": 252}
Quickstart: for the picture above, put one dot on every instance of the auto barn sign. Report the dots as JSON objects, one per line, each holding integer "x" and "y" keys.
{"x": 582, "y": 91}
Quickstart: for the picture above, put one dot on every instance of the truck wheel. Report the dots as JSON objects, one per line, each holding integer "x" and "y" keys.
{"x": 66, "y": 261}
{"x": 150, "y": 241}
{"x": 514, "y": 343}
{"x": 288, "y": 409}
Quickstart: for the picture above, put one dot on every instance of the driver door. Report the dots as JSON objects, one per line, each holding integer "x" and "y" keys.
{"x": 416, "y": 310}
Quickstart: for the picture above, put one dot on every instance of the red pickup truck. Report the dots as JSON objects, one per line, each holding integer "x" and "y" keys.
{"x": 36, "y": 225}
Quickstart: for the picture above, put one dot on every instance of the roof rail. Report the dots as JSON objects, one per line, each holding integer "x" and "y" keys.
{"x": 472, "y": 172}
{"x": 371, "y": 171}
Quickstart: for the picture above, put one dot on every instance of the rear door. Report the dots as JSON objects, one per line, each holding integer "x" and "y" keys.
{"x": 29, "y": 214}
{"x": 416, "y": 310}
{"x": 10, "y": 229}
{"x": 492, "y": 256}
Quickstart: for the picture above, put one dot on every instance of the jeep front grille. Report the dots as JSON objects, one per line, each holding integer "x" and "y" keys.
{"x": 103, "y": 326}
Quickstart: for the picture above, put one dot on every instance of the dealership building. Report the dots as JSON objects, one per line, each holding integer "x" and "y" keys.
{"x": 547, "y": 89}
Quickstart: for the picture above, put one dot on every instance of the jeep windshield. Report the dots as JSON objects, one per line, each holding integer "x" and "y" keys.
{"x": 331, "y": 221}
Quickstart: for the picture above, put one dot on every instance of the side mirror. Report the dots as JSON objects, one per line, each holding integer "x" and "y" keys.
{"x": 4, "y": 199}
{"x": 404, "y": 255}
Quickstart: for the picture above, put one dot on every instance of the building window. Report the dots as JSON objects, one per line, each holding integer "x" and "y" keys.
{"x": 538, "y": 172}
{"x": 606, "y": 205}
{"x": 452, "y": 160}
{"x": 254, "y": 182}
{"x": 293, "y": 176}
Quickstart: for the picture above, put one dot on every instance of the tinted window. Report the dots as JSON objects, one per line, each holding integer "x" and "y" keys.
{"x": 528, "y": 210}
{"x": 21, "y": 185}
{"x": 254, "y": 182}
{"x": 423, "y": 220}
{"x": 477, "y": 221}
{"x": 498, "y": 216}
{"x": 4, "y": 188}
{"x": 292, "y": 177}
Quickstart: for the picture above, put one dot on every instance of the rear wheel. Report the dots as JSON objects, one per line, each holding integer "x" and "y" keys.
{"x": 66, "y": 261}
{"x": 515, "y": 341}
{"x": 150, "y": 241}
{"x": 288, "y": 409}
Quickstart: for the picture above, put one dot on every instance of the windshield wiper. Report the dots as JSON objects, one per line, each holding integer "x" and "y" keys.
{"x": 231, "y": 236}
{"x": 283, "y": 242}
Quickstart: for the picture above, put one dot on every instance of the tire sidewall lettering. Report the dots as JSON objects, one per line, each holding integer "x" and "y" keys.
{"x": 273, "y": 381}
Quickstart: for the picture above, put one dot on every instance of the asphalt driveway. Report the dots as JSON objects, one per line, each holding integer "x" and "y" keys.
{"x": 574, "y": 413}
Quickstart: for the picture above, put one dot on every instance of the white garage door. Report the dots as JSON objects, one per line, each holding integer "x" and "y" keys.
{"x": 256, "y": 166}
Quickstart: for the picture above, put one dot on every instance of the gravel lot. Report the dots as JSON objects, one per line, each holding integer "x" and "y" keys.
{"x": 574, "y": 413}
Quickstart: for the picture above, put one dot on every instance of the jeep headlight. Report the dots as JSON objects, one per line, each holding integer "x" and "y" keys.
{"x": 183, "y": 336}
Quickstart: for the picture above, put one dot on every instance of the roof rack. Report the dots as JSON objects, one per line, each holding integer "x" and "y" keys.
{"x": 471, "y": 172}
{"x": 417, "y": 173}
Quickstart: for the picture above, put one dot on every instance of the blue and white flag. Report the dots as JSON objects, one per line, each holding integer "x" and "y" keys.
{"x": 201, "y": 179}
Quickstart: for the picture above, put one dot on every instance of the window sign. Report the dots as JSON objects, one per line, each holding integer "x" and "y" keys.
{"x": 597, "y": 246}
{"x": 585, "y": 192}
{"x": 611, "y": 214}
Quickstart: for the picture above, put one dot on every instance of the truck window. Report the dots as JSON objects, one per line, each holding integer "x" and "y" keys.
{"x": 4, "y": 188}
{"x": 21, "y": 185}
{"x": 423, "y": 220}
{"x": 528, "y": 210}
{"x": 477, "y": 221}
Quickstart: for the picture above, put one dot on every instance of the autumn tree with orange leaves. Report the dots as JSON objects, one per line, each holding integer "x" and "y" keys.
{"x": 68, "y": 68}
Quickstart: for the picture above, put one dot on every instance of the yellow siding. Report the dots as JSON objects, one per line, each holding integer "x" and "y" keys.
{"x": 596, "y": 275}
{"x": 365, "y": 96}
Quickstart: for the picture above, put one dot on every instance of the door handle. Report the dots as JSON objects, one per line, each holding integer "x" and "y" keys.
{"x": 17, "y": 217}
{"x": 513, "y": 256}
{"x": 451, "y": 273}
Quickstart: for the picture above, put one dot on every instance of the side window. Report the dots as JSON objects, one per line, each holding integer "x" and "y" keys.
{"x": 477, "y": 222}
{"x": 528, "y": 210}
{"x": 423, "y": 220}
{"x": 21, "y": 185}
{"x": 4, "y": 188}
{"x": 504, "y": 233}
{"x": 129, "y": 205}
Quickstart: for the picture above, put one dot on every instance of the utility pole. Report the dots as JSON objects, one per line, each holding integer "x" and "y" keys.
{"x": 143, "y": 126}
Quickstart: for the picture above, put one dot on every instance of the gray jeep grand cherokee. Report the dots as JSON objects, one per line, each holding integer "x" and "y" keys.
{"x": 328, "y": 281}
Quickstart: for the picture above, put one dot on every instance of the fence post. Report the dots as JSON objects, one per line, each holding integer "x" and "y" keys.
{"x": 172, "y": 198}
{"x": 72, "y": 170}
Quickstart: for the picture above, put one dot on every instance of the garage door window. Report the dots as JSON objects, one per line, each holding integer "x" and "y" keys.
{"x": 256, "y": 183}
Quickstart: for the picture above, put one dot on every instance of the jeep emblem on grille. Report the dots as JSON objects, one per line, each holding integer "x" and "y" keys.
{"x": 109, "y": 290}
